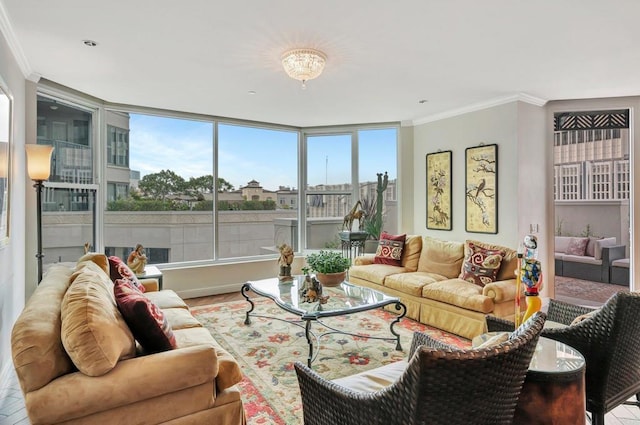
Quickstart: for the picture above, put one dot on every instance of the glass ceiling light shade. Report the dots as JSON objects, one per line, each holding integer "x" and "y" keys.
{"x": 39, "y": 161}
{"x": 303, "y": 64}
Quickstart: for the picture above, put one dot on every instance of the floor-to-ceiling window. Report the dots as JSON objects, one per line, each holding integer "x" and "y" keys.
{"x": 168, "y": 207}
{"x": 193, "y": 188}
{"x": 258, "y": 190}
{"x": 69, "y": 197}
{"x": 342, "y": 175}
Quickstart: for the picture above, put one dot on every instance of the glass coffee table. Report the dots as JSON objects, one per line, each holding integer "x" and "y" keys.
{"x": 344, "y": 299}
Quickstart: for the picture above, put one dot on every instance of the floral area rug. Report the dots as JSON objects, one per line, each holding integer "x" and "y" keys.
{"x": 267, "y": 348}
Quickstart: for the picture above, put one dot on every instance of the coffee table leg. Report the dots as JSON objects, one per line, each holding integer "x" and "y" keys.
{"x": 399, "y": 306}
{"x": 245, "y": 288}
{"x": 307, "y": 334}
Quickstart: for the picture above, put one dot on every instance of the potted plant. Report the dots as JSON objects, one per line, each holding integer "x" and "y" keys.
{"x": 330, "y": 267}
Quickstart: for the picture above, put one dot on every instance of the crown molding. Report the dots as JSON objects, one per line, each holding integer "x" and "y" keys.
{"x": 521, "y": 97}
{"x": 7, "y": 30}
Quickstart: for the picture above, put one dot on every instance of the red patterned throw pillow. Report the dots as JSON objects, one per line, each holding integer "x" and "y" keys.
{"x": 390, "y": 249}
{"x": 577, "y": 246}
{"x": 118, "y": 269}
{"x": 147, "y": 322}
{"x": 481, "y": 265}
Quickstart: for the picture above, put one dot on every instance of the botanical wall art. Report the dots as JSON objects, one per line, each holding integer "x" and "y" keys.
{"x": 482, "y": 189}
{"x": 439, "y": 190}
{"x": 5, "y": 160}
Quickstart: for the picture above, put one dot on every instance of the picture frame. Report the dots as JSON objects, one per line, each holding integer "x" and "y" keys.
{"x": 481, "y": 189}
{"x": 6, "y": 110}
{"x": 439, "y": 190}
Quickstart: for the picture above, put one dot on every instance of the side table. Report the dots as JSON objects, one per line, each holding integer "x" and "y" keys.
{"x": 352, "y": 243}
{"x": 554, "y": 389}
{"x": 152, "y": 272}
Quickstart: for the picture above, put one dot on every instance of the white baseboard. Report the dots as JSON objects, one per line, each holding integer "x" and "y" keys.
{"x": 205, "y": 292}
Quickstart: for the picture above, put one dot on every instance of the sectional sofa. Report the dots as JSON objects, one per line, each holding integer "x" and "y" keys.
{"x": 588, "y": 258}
{"x": 428, "y": 283}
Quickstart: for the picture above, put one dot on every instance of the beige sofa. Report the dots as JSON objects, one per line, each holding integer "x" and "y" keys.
{"x": 191, "y": 384}
{"x": 427, "y": 283}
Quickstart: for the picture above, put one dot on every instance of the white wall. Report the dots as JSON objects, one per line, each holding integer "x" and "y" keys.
{"x": 518, "y": 128}
{"x": 12, "y": 263}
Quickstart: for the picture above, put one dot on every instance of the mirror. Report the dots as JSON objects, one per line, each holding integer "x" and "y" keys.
{"x": 5, "y": 162}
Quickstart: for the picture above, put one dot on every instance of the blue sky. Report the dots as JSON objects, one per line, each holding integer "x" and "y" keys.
{"x": 246, "y": 153}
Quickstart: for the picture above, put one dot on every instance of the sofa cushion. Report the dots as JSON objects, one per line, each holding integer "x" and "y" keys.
{"x": 441, "y": 257}
{"x": 459, "y": 293}
{"x": 411, "y": 252}
{"x": 480, "y": 264}
{"x": 577, "y": 246}
{"x": 38, "y": 354}
{"x": 94, "y": 334}
{"x": 146, "y": 321}
{"x": 411, "y": 282}
{"x": 600, "y": 244}
{"x": 390, "y": 249}
{"x": 591, "y": 246}
{"x": 561, "y": 243}
{"x": 375, "y": 273}
{"x": 229, "y": 372}
{"x": 166, "y": 299}
{"x": 180, "y": 318}
{"x": 580, "y": 259}
{"x": 118, "y": 269}
{"x": 489, "y": 339}
{"x": 99, "y": 259}
{"x": 375, "y": 379}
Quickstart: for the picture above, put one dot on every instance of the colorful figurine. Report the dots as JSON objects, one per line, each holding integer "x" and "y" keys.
{"x": 531, "y": 276}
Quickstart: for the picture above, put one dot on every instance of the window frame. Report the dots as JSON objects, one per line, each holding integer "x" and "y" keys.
{"x": 99, "y": 143}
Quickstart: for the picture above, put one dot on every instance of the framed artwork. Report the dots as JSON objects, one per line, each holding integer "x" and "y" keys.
{"x": 481, "y": 190}
{"x": 439, "y": 191}
{"x": 5, "y": 162}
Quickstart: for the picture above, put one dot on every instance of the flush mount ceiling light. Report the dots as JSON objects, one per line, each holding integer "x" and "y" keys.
{"x": 303, "y": 64}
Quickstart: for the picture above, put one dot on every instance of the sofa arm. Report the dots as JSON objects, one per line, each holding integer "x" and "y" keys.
{"x": 501, "y": 290}
{"x": 611, "y": 253}
{"x": 364, "y": 260}
{"x": 75, "y": 395}
{"x": 150, "y": 284}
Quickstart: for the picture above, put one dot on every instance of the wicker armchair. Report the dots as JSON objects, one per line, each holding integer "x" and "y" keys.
{"x": 440, "y": 385}
{"x": 610, "y": 342}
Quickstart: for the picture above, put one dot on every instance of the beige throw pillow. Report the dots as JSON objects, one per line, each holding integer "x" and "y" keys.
{"x": 94, "y": 334}
{"x": 441, "y": 257}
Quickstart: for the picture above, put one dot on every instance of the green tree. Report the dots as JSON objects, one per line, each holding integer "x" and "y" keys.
{"x": 197, "y": 186}
{"x": 224, "y": 185}
{"x": 159, "y": 185}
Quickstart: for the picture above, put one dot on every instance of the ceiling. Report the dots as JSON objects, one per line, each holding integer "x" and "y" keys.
{"x": 384, "y": 57}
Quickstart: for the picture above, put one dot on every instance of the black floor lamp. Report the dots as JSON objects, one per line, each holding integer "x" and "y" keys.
{"x": 39, "y": 169}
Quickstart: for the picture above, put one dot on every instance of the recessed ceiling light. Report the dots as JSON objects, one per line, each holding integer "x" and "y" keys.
{"x": 89, "y": 43}
{"x": 423, "y": 101}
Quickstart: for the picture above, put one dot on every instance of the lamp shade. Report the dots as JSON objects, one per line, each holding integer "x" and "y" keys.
{"x": 39, "y": 161}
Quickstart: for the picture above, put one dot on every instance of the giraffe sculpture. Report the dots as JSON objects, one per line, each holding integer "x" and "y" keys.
{"x": 355, "y": 213}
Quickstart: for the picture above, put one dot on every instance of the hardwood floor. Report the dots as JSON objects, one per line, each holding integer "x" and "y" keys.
{"x": 13, "y": 412}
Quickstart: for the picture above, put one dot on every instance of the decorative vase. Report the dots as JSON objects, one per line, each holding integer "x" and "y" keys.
{"x": 331, "y": 279}
{"x": 533, "y": 304}
{"x": 370, "y": 246}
